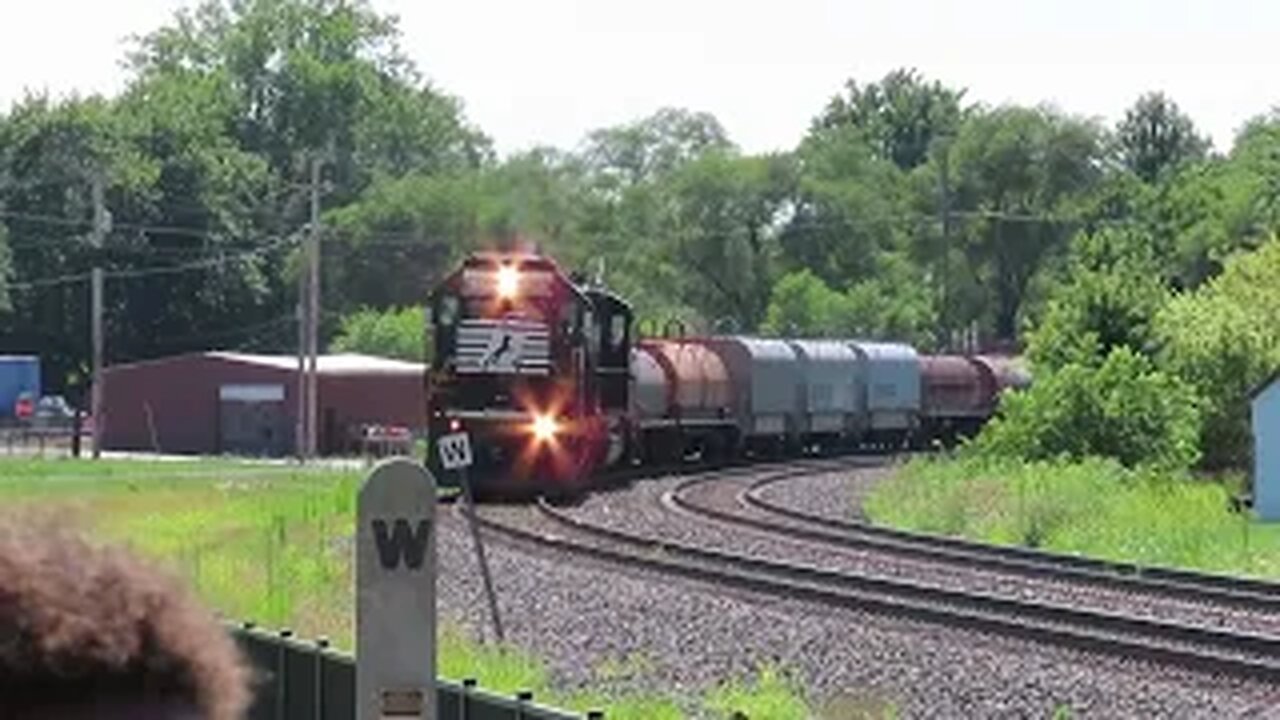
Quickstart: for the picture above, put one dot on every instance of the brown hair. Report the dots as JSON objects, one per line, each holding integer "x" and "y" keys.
{"x": 88, "y": 623}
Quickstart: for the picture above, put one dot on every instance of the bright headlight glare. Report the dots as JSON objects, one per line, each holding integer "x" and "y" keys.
{"x": 507, "y": 281}
{"x": 544, "y": 427}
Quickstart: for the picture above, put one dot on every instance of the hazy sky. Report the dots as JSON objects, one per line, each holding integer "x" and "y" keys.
{"x": 547, "y": 71}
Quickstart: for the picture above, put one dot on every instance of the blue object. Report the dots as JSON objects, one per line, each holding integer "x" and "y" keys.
{"x": 892, "y": 376}
{"x": 18, "y": 374}
{"x": 1266, "y": 450}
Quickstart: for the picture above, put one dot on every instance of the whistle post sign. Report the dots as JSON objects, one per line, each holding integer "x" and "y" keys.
{"x": 455, "y": 451}
{"x": 396, "y": 593}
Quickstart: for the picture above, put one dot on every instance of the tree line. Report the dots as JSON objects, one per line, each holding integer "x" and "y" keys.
{"x": 904, "y": 212}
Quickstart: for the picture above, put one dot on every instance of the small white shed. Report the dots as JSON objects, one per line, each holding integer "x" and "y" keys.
{"x": 1266, "y": 449}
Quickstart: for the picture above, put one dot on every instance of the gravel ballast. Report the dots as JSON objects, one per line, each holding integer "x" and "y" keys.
{"x": 678, "y": 635}
{"x": 642, "y": 512}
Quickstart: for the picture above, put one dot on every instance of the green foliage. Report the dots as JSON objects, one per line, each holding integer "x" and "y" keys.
{"x": 313, "y": 75}
{"x": 901, "y": 115}
{"x": 772, "y": 695}
{"x": 654, "y": 146}
{"x": 803, "y": 306}
{"x": 847, "y": 208}
{"x": 1093, "y": 507}
{"x": 1016, "y": 169}
{"x": 1155, "y": 137}
{"x": 889, "y": 306}
{"x": 395, "y": 333}
{"x": 1111, "y": 291}
{"x": 1124, "y": 409}
{"x": 6, "y": 267}
{"x": 721, "y": 207}
{"x": 1223, "y": 340}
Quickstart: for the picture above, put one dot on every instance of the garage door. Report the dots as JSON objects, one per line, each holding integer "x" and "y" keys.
{"x": 252, "y": 420}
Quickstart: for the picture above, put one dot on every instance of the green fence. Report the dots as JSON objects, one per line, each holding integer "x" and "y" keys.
{"x": 301, "y": 680}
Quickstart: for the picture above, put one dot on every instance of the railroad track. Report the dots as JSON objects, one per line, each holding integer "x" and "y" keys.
{"x": 1197, "y": 648}
{"x": 1243, "y": 593}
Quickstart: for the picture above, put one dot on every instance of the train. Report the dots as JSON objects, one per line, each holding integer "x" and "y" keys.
{"x": 545, "y": 374}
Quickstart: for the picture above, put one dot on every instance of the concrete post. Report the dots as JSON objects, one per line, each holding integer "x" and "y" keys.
{"x": 396, "y": 593}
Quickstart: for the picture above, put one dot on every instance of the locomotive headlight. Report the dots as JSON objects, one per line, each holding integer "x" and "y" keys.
{"x": 544, "y": 428}
{"x": 508, "y": 279}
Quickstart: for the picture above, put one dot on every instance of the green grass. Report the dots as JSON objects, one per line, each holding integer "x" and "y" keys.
{"x": 271, "y": 543}
{"x": 1095, "y": 508}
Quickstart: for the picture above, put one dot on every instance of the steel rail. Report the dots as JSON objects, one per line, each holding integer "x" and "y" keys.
{"x": 1195, "y": 648}
{"x": 1172, "y": 582}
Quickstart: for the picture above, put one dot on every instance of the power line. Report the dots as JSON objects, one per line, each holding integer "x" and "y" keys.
{"x": 146, "y": 272}
{"x": 137, "y": 227}
{"x": 243, "y": 330}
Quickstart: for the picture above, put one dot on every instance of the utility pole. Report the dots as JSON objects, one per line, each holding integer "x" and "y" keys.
{"x": 101, "y": 226}
{"x": 300, "y": 427}
{"x": 944, "y": 210}
{"x": 313, "y": 304}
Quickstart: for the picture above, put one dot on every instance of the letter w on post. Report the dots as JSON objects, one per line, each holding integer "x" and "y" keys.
{"x": 402, "y": 543}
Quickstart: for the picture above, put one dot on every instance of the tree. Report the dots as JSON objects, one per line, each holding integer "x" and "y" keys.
{"x": 392, "y": 245}
{"x": 1155, "y": 137}
{"x": 395, "y": 333}
{"x": 317, "y": 77}
{"x": 1256, "y": 160}
{"x": 1111, "y": 292}
{"x": 1019, "y": 175}
{"x": 641, "y": 151}
{"x": 632, "y": 215}
{"x": 722, "y": 212}
{"x": 1223, "y": 340}
{"x": 889, "y": 306}
{"x": 801, "y": 305}
{"x": 901, "y": 115}
{"x": 846, "y": 209}
{"x": 1124, "y": 408}
{"x": 48, "y": 156}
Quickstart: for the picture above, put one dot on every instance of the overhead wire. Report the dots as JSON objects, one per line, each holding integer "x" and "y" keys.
{"x": 147, "y": 271}
{"x": 88, "y": 224}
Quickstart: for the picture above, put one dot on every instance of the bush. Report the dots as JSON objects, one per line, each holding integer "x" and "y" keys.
{"x": 395, "y": 333}
{"x": 1125, "y": 409}
{"x": 1095, "y": 507}
{"x": 1108, "y": 297}
{"x": 1223, "y": 340}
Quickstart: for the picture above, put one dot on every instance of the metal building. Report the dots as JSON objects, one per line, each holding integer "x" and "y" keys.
{"x": 242, "y": 404}
{"x": 1266, "y": 449}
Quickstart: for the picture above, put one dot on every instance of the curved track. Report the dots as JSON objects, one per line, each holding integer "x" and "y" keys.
{"x": 1225, "y": 589}
{"x": 920, "y": 559}
{"x": 1203, "y": 649}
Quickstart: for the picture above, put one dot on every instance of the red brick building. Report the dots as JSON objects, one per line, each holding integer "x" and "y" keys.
{"x": 217, "y": 402}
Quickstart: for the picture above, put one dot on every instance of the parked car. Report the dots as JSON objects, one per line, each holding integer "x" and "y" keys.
{"x": 54, "y": 412}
